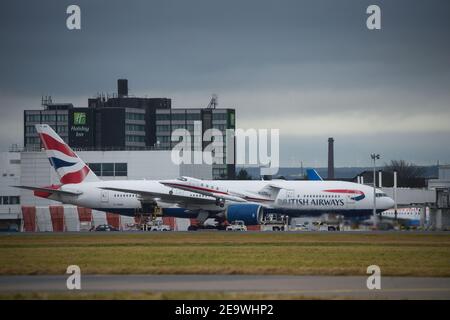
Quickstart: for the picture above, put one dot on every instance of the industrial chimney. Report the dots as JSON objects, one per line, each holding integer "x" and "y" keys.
{"x": 122, "y": 88}
{"x": 330, "y": 158}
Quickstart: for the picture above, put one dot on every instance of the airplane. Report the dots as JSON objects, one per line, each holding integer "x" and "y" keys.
{"x": 405, "y": 216}
{"x": 248, "y": 200}
{"x": 187, "y": 197}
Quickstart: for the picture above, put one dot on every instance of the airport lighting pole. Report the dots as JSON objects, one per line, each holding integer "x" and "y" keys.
{"x": 375, "y": 157}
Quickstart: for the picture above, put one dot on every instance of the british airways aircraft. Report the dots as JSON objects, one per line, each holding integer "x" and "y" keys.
{"x": 202, "y": 199}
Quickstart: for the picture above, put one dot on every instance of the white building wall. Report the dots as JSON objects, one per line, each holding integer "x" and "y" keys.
{"x": 36, "y": 171}
{"x": 9, "y": 176}
{"x": 141, "y": 164}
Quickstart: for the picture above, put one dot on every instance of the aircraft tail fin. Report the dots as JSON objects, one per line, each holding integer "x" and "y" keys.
{"x": 69, "y": 167}
{"x": 313, "y": 175}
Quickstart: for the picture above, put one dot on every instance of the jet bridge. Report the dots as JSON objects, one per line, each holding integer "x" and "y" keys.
{"x": 436, "y": 197}
{"x": 404, "y": 197}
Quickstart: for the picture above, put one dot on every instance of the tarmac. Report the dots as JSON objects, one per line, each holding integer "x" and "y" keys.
{"x": 328, "y": 287}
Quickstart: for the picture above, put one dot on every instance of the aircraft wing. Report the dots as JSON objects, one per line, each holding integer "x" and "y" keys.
{"x": 163, "y": 196}
{"x": 269, "y": 193}
{"x": 50, "y": 190}
{"x": 214, "y": 194}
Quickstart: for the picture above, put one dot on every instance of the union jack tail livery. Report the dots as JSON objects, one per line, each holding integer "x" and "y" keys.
{"x": 69, "y": 167}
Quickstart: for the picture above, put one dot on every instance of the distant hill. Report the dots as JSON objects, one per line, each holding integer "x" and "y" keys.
{"x": 339, "y": 173}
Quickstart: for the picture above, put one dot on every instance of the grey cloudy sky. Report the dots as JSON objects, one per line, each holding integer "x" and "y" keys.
{"x": 310, "y": 68}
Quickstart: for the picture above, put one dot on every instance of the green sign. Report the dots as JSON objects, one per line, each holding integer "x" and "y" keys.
{"x": 79, "y": 118}
{"x": 232, "y": 119}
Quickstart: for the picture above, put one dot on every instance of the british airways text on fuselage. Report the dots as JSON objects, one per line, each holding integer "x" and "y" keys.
{"x": 313, "y": 202}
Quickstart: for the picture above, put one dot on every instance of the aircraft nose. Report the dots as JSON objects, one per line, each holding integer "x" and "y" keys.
{"x": 389, "y": 203}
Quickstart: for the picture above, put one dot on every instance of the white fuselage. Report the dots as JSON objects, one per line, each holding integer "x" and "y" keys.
{"x": 300, "y": 196}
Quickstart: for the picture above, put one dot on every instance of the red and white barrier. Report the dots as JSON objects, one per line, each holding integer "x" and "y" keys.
{"x": 43, "y": 219}
{"x": 71, "y": 218}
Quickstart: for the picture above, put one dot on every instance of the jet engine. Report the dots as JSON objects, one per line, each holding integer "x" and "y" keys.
{"x": 251, "y": 214}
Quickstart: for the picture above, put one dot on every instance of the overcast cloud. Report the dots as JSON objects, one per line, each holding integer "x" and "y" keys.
{"x": 310, "y": 68}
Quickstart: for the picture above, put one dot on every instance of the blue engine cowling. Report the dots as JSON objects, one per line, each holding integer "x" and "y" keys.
{"x": 251, "y": 214}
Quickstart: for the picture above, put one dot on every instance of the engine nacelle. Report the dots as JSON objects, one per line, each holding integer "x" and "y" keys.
{"x": 251, "y": 214}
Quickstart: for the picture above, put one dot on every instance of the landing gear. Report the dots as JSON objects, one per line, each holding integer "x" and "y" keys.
{"x": 146, "y": 215}
{"x": 148, "y": 207}
{"x": 220, "y": 202}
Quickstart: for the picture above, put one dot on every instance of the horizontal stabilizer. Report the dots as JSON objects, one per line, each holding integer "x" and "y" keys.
{"x": 50, "y": 190}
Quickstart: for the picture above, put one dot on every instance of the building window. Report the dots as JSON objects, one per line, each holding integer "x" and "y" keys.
{"x": 130, "y": 138}
{"x": 14, "y": 200}
{"x": 134, "y": 127}
{"x": 193, "y": 116}
{"x": 33, "y": 118}
{"x": 32, "y": 140}
{"x": 120, "y": 169}
{"x": 61, "y": 129}
{"x": 219, "y": 116}
{"x": 134, "y": 116}
{"x": 163, "y": 139}
{"x": 162, "y": 116}
{"x": 49, "y": 117}
{"x": 162, "y": 128}
{"x": 30, "y": 129}
{"x": 178, "y": 116}
{"x": 109, "y": 169}
{"x": 178, "y": 126}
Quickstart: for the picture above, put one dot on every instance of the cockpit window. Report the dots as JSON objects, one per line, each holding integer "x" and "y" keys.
{"x": 182, "y": 179}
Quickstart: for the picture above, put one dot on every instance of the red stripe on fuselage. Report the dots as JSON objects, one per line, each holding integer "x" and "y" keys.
{"x": 348, "y": 191}
{"x": 51, "y": 143}
{"x": 75, "y": 177}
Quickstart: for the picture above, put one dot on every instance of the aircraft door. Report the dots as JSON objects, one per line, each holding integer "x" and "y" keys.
{"x": 104, "y": 196}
